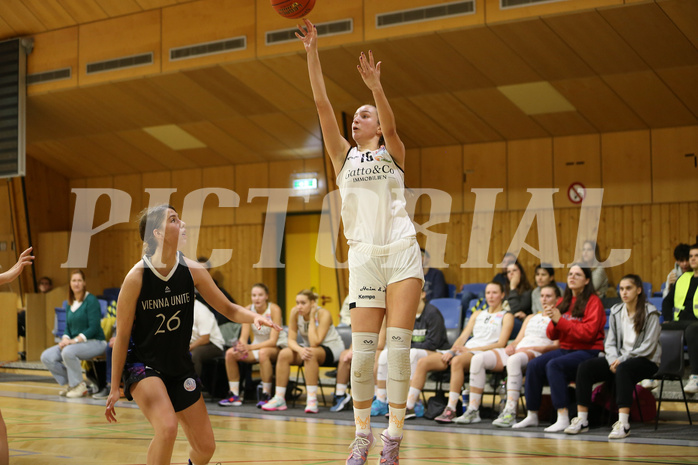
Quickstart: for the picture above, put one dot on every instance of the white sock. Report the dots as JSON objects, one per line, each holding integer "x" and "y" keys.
{"x": 624, "y": 418}
{"x": 362, "y": 420}
{"x": 530, "y": 420}
{"x": 584, "y": 416}
{"x": 563, "y": 421}
{"x": 266, "y": 387}
{"x": 340, "y": 390}
{"x": 311, "y": 393}
{"x": 234, "y": 387}
{"x": 396, "y": 422}
{"x": 280, "y": 392}
{"x": 453, "y": 400}
{"x": 382, "y": 394}
{"x": 412, "y": 397}
{"x": 475, "y": 399}
{"x": 512, "y": 401}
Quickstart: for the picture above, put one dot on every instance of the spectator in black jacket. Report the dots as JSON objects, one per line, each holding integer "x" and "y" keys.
{"x": 428, "y": 336}
{"x": 435, "y": 285}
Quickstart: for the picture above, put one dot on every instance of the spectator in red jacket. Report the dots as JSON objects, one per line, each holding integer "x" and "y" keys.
{"x": 578, "y": 323}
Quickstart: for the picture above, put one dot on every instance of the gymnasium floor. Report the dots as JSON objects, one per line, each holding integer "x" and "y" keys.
{"x": 45, "y": 429}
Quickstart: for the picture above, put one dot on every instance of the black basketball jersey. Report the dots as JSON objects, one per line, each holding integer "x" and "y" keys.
{"x": 164, "y": 320}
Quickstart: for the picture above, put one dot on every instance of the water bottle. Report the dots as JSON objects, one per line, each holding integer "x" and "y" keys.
{"x": 502, "y": 395}
{"x": 466, "y": 399}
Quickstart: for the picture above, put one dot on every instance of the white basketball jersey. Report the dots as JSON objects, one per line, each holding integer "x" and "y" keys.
{"x": 372, "y": 188}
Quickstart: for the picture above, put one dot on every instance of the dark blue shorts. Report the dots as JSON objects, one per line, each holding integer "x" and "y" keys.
{"x": 183, "y": 390}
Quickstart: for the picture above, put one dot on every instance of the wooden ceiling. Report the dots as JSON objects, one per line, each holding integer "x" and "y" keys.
{"x": 623, "y": 68}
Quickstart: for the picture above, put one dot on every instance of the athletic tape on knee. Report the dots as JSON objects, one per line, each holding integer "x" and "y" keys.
{"x": 398, "y": 343}
{"x": 362, "y": 361}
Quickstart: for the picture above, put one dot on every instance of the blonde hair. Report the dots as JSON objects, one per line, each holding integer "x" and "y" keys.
{"x": 309, "y": 294}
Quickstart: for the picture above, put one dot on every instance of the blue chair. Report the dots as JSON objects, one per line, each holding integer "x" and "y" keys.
{"x": 660, "y": 292}
{"x": 561, "y": 285}
{"x": 451, "y": 291}
{"x": 59, "y": 322}
{"x": 103, "y": 304}
{"x": 475, "y": 288}
{"x": 450, "y": 309}
{"x": 656, "y": 301}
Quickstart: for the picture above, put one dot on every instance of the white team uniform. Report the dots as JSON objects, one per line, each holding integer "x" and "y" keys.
{"x": 383, "y": 248}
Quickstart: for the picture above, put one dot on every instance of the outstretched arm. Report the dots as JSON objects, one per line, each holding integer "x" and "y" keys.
{"x": 371, "y": 74}
{"x": 24, "y": 259}
{"x": 337, "y": 146}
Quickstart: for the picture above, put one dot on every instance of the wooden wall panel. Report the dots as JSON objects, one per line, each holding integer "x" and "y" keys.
{"x": 255, "y": 175}
{"x": 442, "y": 168}
{"x": 200, "y": 22}
{"x": 117, "y": 38}
{"x": 625, "y": 162}
{"x": 484, "y": 167}
{"x": 316, "y": 165}
{"x": 524, "y": 174}
{"x": 54, "y": 50}
{"x": 218, "y": 177}
{"x": 575, "y": 159}
{"x": 674, "y": 165}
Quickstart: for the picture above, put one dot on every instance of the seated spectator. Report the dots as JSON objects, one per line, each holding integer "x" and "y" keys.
{"x": 632, "y": 353}
{"x": 531, "y": 342}
{"x": 206, "y": 340}
{"x": 544, "y": 275}
{"x": 83, "y": 338}
{"x": 681, "y": 265}
{"x": 428, "y": 336}
{"x": 435, "y": 285}
{"x": 590, "y": 259}
{"x": 519, "y": 296}
{"x": 501, "y": 278}
{"x": 489, "y": 329}
{"x": 680, "y": 310}
{"x": 578, "y": 323}
{"x": 264, "y": 348}
{"x": 341, "y": 397}
{"x": 322, "y": 346}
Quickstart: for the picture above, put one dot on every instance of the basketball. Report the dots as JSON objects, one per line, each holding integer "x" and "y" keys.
{"x": 293, "y": 9}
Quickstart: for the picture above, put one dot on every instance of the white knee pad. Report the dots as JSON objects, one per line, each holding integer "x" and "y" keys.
{"x": 515, "y": 366}
{"x": 415, "y": 356}
{"x": 382, "y": 372}
{"x": 398, "y": 342}
{"x": 478, "y": 365}
{"x": 362, "y": 361}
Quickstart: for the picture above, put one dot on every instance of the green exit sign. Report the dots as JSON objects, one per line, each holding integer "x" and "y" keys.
{"x": 305, "y": 184}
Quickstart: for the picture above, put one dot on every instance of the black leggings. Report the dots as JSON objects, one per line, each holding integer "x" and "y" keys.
{"x": 627, "y": 375}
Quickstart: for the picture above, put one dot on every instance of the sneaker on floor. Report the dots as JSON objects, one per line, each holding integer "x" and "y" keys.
{"x": 619, "y": 431}
{"x": 649, "y": 383}
{"x": 63, "y": 392}
{"x": 391, "y": 450}
{"x": 264, "y": 399}
{"x": 577, "y": 426}
{"x": 359, "y": 449}
{"x": 339, "y": 402}
{"x": 410, "y": 413}
{"x": 77, "y": 391}
{"x": 692, "y": 386}
{"x": 102, "y": 393}
{"x": 276, "y": 403}
{"x": 311, "y": 406}
{"x": 378, "y": 408}
{"x": 447, "y": 416}
{"x": 470, "y": 416}
{"x": 506, "y": 419}
{"x": 231, "y": 400}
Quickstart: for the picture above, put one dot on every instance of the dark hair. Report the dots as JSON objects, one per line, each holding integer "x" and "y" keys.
{"x": 309, "y": 294}
{"x": 582, "y": 298}
{"x": 523, "y": 285}
{"x": 681, "y": 252}
{"x": 694, "y": 246}
{"x": 261, "y": 286}
{"x": 71, "y": 294}
{"x": 46, "y": 278}
{"x": 547, "y": 267}
{"x": 640, "y": 314}
{"x": 149, "y": 220}
{"x": 594, "y": 246}
{"x": 554, "y": 287}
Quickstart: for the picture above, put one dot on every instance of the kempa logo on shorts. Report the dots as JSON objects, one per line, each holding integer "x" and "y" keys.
{"x": 369, "y": 297}
{"x": 189, "y": 384}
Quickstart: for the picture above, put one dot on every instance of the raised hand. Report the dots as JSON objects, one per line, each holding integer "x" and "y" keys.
{"x": 308, "y": 35}
{"x": 25, "y": 259}
{"x": 370, "y": 71}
